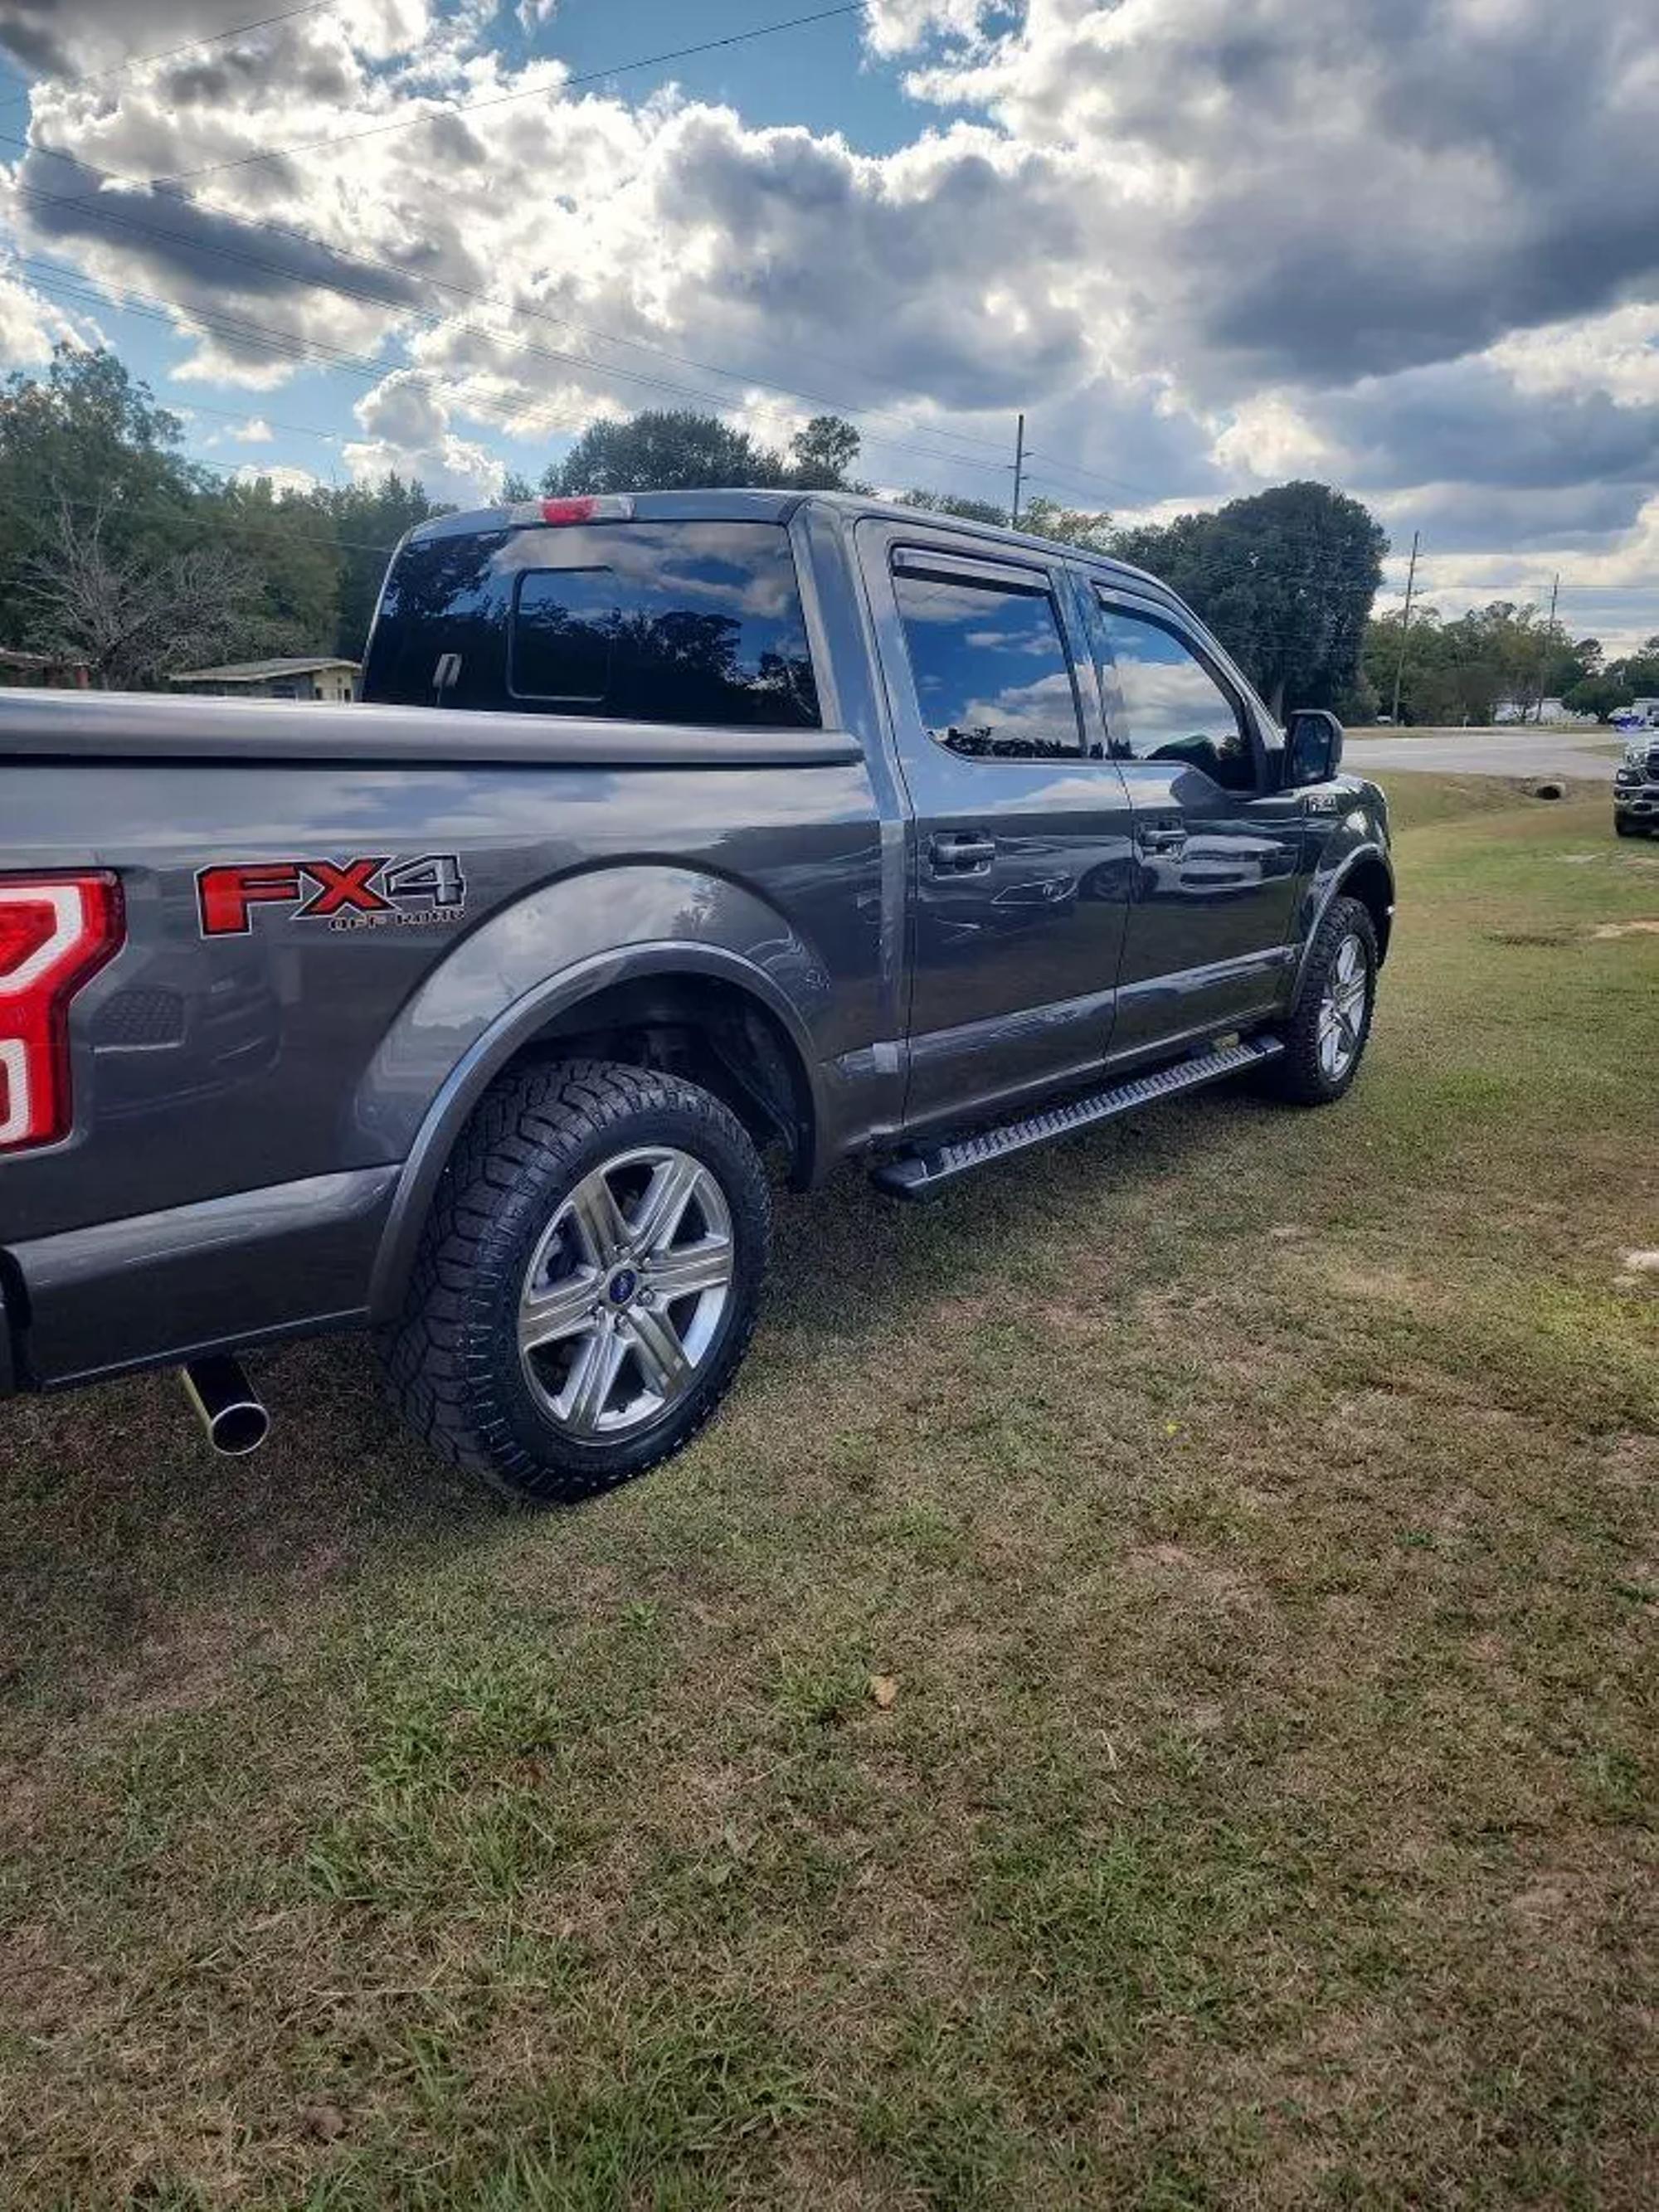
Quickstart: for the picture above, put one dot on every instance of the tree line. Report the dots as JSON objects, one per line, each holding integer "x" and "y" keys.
{"x": 1499, "y": 657}
{"x": 119, "y": 552}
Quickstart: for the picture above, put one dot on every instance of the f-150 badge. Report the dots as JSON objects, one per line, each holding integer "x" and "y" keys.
{"x": 374, "y": 892}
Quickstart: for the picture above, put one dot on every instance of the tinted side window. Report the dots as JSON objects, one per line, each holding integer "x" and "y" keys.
{"x": 671, "y": 621}
{"x": 991, "y": 673}
{"x": 1173, "y": 709}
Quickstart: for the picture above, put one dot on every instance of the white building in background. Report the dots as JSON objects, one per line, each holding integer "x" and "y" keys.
{"x": 319, "y": 676}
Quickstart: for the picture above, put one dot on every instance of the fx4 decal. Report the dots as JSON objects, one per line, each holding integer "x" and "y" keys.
{"x": 374, "y": 892}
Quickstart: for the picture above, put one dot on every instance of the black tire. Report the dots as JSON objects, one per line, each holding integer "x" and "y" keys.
{"x": 452, "y": 1359}
{"x": 1299, "y": 1076}
{"x": 1624, "y": 826}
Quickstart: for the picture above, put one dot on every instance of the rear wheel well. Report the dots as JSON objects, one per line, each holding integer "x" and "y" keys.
{"x": 1367, "y": 881}
{"x": 712, "y": 1033}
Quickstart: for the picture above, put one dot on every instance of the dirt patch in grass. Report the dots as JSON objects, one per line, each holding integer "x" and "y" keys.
{"x": 1255, "y": 1517}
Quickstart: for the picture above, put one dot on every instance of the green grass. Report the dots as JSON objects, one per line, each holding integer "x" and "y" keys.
{"x": 1256, "y": 1512}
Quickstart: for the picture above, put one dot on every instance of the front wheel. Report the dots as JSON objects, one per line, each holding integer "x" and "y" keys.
{"x": 587, "y": 1282}
{"x": 1330, "y": 1022}
{"x": 1625, "y": 825}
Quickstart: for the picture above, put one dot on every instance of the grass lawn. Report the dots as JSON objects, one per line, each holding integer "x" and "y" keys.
{"x": 1252, "y": 1514}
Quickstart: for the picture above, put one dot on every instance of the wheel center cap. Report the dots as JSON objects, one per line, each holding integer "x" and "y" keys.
{"x": 623, "y": 1285}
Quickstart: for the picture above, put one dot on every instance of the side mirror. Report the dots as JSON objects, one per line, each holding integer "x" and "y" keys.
{"x": 1313, "y": 747}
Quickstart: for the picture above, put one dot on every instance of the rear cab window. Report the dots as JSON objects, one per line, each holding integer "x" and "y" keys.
{"x": 654, "y": 622}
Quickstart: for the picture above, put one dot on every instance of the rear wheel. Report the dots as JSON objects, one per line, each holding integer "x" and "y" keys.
{"x": 587, "y": 1282}
{"x": 1330, "y": 1022}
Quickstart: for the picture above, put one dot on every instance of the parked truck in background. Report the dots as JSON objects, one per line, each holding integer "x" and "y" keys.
{"x": 1636, "y": 786}
{"x": 675, "y": 828}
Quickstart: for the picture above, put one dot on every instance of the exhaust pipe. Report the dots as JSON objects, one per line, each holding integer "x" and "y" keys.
{"x": 227, "y": 1405}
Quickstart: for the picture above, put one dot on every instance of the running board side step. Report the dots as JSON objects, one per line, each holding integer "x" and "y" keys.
{"x": 919, "y": 1174}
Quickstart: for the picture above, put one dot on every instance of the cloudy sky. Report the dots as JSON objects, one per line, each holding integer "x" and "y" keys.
{"x": 1408, "y": 247}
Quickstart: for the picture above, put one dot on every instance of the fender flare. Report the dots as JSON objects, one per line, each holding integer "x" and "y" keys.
{"x": 1360, "y": 854}
{"x": 518, "y": 1026}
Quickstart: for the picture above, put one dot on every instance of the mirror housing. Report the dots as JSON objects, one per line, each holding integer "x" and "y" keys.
{"x": 1313, "y": 747}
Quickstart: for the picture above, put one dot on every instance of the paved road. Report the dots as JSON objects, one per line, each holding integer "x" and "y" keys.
{"x": 1488, "y": 752}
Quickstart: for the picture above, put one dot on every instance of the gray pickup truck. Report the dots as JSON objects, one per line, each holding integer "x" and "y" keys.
{"x": 673, "y": 828}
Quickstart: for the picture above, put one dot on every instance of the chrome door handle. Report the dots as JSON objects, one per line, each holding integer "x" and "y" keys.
{"x": 961, "y": 853}
{"x": 1165, "y": 838}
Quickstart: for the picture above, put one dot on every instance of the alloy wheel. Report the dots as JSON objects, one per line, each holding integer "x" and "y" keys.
{"x": 623, "y": 1297}
{"x": 1342, "y": 1009}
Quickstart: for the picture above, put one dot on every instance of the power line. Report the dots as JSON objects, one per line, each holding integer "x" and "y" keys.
{"x": 204, "y": 527}
{"x": 305, "y": 352}
{"x": 1540, "y": 589}
{"x": 1075, "y": 468}
{"x": 96, "y": 206}
{"x": 186, "y": 408}
{"x": 932, "y": 459}
{"x": 504, "y": 99}
{"x": 168, "y": 53}
{"x": 314, "y": 352}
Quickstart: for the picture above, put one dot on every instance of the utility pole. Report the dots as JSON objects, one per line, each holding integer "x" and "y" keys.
{"x": 1405, "y": 624}
{"x": 1555, "y": 593}
{"x": 1019, "y": 470}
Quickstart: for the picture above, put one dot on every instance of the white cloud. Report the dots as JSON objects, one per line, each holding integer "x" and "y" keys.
{"x": 279, "y": 475}
{"x": 899, "y": 27}
{"x": 31, "y": 324}
{"x": 406, "y": 428}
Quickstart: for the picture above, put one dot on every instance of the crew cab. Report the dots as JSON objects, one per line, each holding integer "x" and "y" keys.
{"x": 672, "y": 829}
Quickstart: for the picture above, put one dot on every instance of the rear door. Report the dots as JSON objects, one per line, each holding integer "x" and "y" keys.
{"x": 1020, "y": 829}
{"x": 1217, "y": 851}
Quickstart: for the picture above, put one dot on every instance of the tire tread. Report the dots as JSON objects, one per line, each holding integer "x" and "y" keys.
{"x": 526, "y": 1131}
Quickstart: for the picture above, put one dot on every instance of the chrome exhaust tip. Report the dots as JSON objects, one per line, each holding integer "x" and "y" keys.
{"x": 227, "y": 1405}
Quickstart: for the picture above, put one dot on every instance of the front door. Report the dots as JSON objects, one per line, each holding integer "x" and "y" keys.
{"x": 1020, "y": 826}
{"x": 1217, "y": 854}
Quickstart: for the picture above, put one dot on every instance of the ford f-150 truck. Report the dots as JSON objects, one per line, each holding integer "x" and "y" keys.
{"x": 672, "y": 828}
{"x": 1636, "y": 787}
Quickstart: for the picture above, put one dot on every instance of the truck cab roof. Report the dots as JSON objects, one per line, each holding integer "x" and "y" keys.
{"x": 759, "y": 505}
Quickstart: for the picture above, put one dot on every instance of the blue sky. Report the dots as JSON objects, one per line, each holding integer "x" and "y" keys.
{"x": 1204, "y": 247}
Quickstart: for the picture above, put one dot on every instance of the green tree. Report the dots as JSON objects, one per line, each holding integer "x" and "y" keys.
{"x": 1285, "y": 579}
{"x": 133, "y": 616}
{"x": 1068, "y": 525}
{"x": 1640, "y": 669}
{"x": 369, "y": 520}
{"x": 823, "y": 454}
{"x": 1498, "y": 659}
{"x": 949, "y": 503}
{"x": 672, "y": 449}
{"x": 1602, "y": 695}
{"x": 85, "y": 441}
{"x": 289, "y": 541}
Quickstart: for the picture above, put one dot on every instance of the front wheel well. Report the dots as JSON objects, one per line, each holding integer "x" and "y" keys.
{"x": 710, "y": 1031}
{"x": 1370, "y": 882}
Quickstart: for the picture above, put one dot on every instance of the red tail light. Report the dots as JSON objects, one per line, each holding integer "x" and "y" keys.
{"x": 55, "y": 932}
